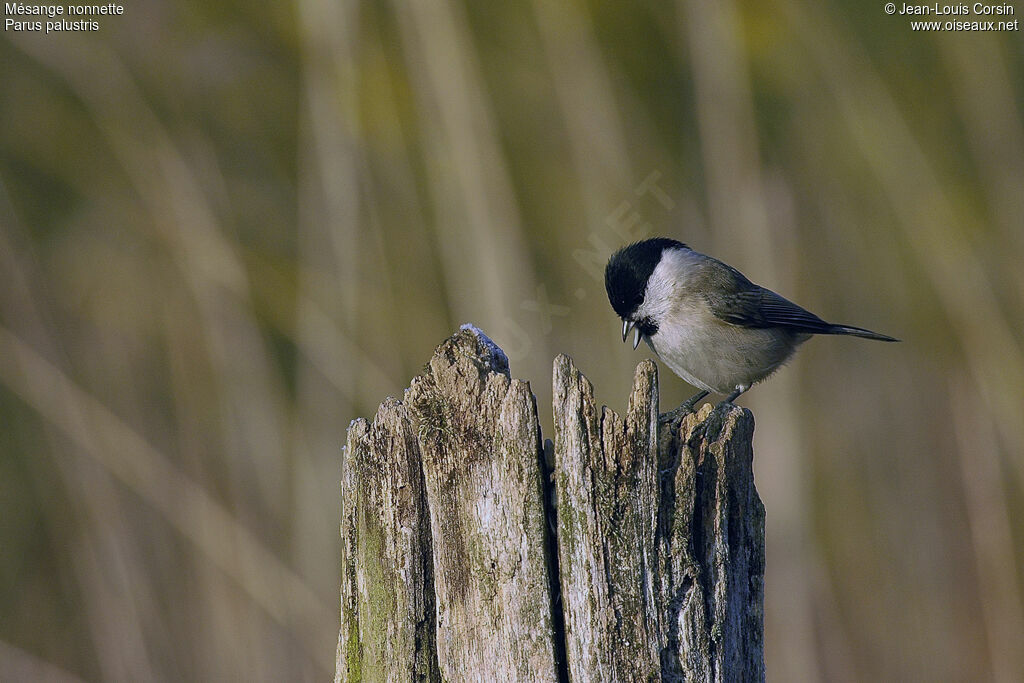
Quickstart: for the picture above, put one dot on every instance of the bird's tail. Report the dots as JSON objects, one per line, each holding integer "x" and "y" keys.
{"x": 859, "y": 332}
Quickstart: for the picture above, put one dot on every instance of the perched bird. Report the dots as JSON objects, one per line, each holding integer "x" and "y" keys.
{"x": 706, "y": 321}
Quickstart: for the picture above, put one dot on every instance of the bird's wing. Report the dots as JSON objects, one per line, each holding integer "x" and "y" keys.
{"x": 738, "y": 301}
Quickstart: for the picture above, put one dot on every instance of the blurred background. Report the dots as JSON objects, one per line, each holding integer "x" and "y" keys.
{"x": 227, "y": 230}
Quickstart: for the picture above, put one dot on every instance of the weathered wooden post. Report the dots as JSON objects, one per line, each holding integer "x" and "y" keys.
{"x": 639, "y": 557}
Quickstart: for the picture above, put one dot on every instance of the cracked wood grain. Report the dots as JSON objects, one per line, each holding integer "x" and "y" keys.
{"x": 639, "y": 557}
{"x": 606, "y": 482}
{"x": 387, "y": 596}
{"x": 480, "y": 440}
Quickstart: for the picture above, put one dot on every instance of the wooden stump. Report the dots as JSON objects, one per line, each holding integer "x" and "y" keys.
{"x": 640, "y": 556}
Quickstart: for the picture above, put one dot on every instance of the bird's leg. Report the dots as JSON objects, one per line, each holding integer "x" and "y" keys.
{"x": 733, "y": 396}
{"x": 684, "y": 409}
{"x": 672, "y": 420}
{"x": 700, "y": 432}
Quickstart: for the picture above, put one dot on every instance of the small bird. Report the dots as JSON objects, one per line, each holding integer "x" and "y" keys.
{"x": 706, "y": 321}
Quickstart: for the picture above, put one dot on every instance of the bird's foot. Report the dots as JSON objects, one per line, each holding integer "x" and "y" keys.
{"x": 728, "y": 402}
{"x": 674, "y": 417}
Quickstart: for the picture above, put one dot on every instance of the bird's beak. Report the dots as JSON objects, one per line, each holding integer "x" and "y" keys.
{"x": 626, "y": 327}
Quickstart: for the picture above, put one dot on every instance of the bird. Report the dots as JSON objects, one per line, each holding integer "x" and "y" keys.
{"x": 705, "y": 320}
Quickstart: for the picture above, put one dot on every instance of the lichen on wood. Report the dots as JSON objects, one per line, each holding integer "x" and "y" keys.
{"x": 387, "y": 595}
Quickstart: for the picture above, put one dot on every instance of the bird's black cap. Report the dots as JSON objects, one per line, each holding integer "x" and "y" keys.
{"x": 625, "y": 276}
